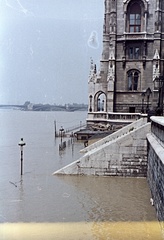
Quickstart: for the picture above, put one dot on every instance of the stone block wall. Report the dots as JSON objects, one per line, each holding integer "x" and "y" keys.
{"x": 155, "y": 173}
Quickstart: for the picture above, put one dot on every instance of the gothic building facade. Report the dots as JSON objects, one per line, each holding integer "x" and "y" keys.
{"x": 132, "y": 63}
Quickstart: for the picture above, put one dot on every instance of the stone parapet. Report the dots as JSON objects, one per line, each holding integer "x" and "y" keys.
{"x": 155, "y": 173}
{"x": 157, "y": 129}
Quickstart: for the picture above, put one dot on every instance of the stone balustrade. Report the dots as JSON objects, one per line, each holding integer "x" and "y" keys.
{"x": 114, "y": 117}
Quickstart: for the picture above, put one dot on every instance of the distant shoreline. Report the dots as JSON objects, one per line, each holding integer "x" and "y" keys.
{"x": 47, "y": 107}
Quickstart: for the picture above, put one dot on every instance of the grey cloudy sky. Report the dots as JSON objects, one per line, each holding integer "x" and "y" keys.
{"x": 45, "y": 49}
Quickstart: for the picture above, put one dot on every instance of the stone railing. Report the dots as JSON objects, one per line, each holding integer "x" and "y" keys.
{"x": 115, "y": 135}
{"x": 155, "y": 173}
{"x": 122, "y": 153}
{"x": 157, "y": 128}
{"x": 114, "y": 117}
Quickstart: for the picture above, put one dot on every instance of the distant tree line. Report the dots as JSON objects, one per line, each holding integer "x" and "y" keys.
{"x": 55, "y": 107}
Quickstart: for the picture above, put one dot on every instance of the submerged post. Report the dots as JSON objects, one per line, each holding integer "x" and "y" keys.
{"x": 61, "y": 133}
{"x": 55, "y": 128}
{"x": 62, "y": 145}
{"x": 21, "y": 144}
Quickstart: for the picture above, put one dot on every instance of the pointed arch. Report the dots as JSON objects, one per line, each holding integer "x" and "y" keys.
{"x": 100, "y": 100}
{"x": 144, "y": 2}
{"x": 135, "y": 15}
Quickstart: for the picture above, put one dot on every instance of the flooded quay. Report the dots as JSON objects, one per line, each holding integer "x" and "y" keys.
{"x": 38, "y": 205}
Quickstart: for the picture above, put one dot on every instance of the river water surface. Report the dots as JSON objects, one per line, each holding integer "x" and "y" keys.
{"x": 39, "y": 205}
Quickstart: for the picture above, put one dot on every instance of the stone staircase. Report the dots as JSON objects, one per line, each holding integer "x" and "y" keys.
{"x": 123, "y": 153}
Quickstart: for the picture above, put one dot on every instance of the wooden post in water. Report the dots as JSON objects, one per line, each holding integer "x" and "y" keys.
{"x": 55, "y": 128}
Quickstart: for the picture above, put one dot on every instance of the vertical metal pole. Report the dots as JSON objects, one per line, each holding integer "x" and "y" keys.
{"x": 61, "y": 138}
{"x": 162, "y": 96}
{"x": 21, "y": 144}
{"x": 21, "y": 160}
{"x": 147, "y": 108}
{"x": 142, "y": 111}
{"x": 143, "y": 96}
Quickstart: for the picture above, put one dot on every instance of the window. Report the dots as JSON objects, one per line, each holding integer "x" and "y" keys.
{"x": 133, "y": 77}
{"x": 134, "y": 14}
{"x": 101, "y": 102}
{"x": 130, "y": 77}
{"x": 134, "y": 52}
{"x": 132, "y": 109}
{"x": 135, "y": 81}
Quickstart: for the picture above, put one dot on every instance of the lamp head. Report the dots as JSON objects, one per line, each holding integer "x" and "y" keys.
{"x": 61, "y": 129}
{"x": 148, "y": 91}
{"x": 143, "y": 95}
{"x": 21, "y": 143}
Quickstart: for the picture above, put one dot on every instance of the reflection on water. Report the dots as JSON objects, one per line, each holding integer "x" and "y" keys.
{"x": 39, "y": 204}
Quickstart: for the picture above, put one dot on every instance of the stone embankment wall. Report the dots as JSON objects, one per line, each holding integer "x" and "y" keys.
{"x": 123, "y": 153}
{"x": 155, "y": 173}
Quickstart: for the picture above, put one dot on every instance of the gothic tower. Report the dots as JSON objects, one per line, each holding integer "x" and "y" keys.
{"x": 132, "y": 58}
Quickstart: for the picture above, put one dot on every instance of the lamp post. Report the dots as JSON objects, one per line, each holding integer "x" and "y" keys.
{"x": 160, "y": 81}
{"x": 61, "y": 133}
{"x": 21, "y": 144}
{"x": 148, "y": 93}
{"x": 143, "y": 96}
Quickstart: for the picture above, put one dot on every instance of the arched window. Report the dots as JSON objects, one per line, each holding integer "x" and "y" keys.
{"x": 101, "y": 101}
{"x": 133, "y": 79}
{"x": 134, "y": 17}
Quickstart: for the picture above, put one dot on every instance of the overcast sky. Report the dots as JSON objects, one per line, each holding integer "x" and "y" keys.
{"x": 45, "y": 49}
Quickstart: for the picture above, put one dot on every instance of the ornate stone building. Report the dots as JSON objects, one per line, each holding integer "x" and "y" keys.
{"x": 132, "y": 58}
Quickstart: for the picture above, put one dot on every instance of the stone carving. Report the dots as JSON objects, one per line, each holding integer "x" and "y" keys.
{"x": 111, "y": 67}
{"x": 156, "y": 70}
{"x": 112, "y": 22}
{"x": 111, "y": 74}
{"x": 93, "y": 72}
